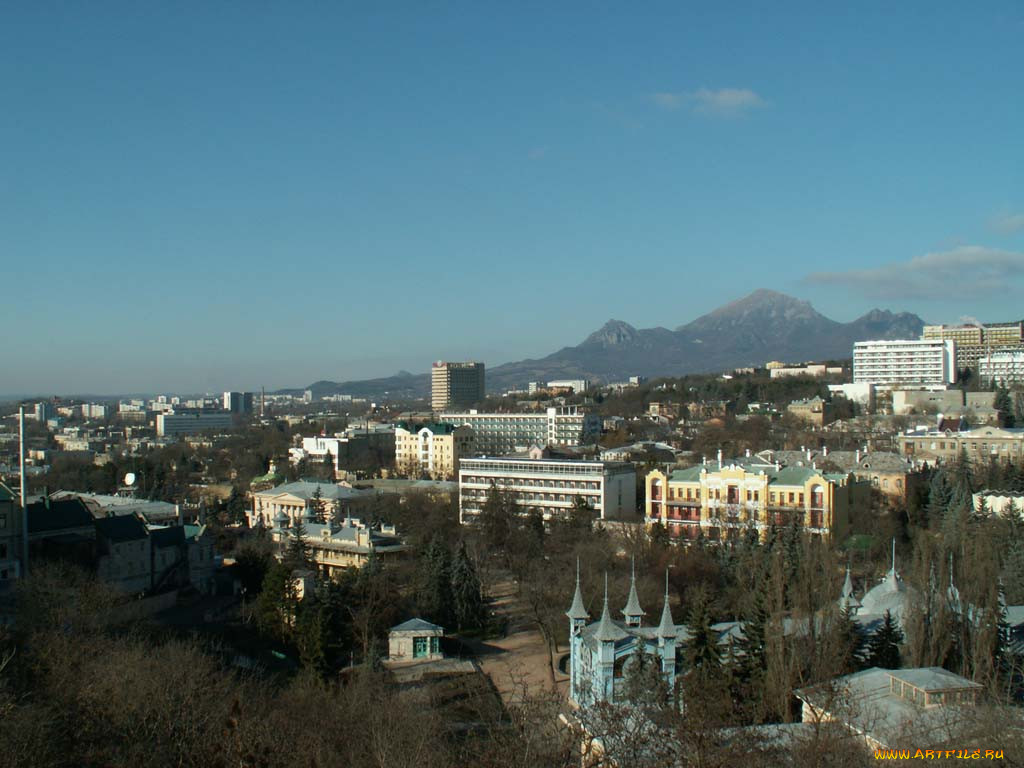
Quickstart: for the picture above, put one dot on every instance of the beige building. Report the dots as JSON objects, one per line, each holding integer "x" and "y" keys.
{"x": 415, "y": 640}
{"x": 335, "y": 547}
{"x": 975, "y": 341}
{"x": 456, "y": 385}
{"x": 981, "y": 444}
{"x": 294, "y": 499}
{"x": 431, "y": 450}
{"x": 721, "y": 501}
{"x": 813, "y": 411}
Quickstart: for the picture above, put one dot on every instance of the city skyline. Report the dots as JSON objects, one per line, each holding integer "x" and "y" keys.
{"x": 223, "y": 198}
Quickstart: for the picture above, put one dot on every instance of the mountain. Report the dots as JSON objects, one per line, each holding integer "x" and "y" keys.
{"x": 764, "y": 326}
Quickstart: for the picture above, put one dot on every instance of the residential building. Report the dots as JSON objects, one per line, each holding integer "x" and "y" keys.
{"x": 456, "y": 385}
{"x": 239, "y": 403}
{"x": 186, "y": 423}
{"x": 354, "y": 449}
{"x": 933, "y": 400}
{"x": 44, "y": 411}
{"x": 415, "y": 640}
{"x": 124, "y": 554}
{"x": 975, "y": 341}
{"x": 551, "y": 487}
{"x": 577, "y": 386}
{"x": 502, "y": 433}
{"x": 336, "y": 546}
{"x": 721, "y": 501}
{"x": 93, "y": 411}
{"x": 863, "y": 394}
{"x": 813, "y": 411}
{"x": 295, "y": 499}
{"x": 431, "y": 450}
{"x": 812, "y": 369}
{"x": 894, "y": 362}
{"x": 1004, "y": 368}
{"x": 888, "y": 472}
{"x": 985, "y": 443}
{"x": 890, "y": 708}
{"x": 61, "y": 529}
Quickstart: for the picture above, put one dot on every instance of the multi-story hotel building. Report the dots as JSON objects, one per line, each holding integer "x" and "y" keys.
{"x": 549, "y": 486}
{"x": 722, "y": 501}
{"x": 905, "y": 361}
{"x": 975, "y": 341}
{"x": 501, "y": 433}
{"x": 433, "y": 450}
{"x": 1002, "y": 367}
{"x": 456, "y": 385}
{"x": 981, "y": 444}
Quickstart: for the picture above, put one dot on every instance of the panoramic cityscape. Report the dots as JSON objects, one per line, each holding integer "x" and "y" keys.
{"x": 322, "y": 442}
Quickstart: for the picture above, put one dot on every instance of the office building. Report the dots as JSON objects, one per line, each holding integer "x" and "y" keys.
{"x": 502, "y": 433}
{"x": 45, "y": 411}
{"x": 909, "y": 361}
{"x": 551, "y": 487}
{"x": 456, "y": 385}
{"x": 185, "y": 423}
{"x": 431, "y": 450}
{"x": 975, "y": 341}
{"x": 238, "y": 402}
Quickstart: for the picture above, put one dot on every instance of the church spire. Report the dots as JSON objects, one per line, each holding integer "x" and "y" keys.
{"x": 667, "y": 627}
{"x": 848, "y": 601}
{"x": 633, "y": 612}
{"x": 607, "y": 631}
{"x": 576, "y": 611}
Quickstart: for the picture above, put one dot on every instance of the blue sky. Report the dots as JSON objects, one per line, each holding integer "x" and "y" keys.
{"x": 211, "y": 195}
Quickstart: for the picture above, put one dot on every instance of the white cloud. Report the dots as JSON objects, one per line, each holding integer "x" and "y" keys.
{"x": 1008, "y": 223}
{"x": 966, "y": 271}
{"x": 721, "y": 102}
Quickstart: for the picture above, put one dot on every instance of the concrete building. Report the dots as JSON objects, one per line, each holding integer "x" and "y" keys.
{"x": 549, "y": 486}
{"x": 239, "y": 403}
{"x": 863, "y": 394}
{"x": 1004, "y": 368}
{"x": 502, "y": 433}
{"x": 723, "y": 500}
{"x": 456, "y": 385}
{"x": 984, "y": 444}
{"x": 184, "y": 423}
{"x": 296, "y": 499}
{"x": 431, "y": 450}
{"x": 415, "y": 640}
{"x": 337, "y": 546}
{"x": 813, "y": 411}
{"x": 813, "y": 369}
{"x": 11, "y": 537}
{"x": 888, "y": 362}
{"x": 356, "y": 448}
{"x": 975, "y": 341}
{"x": 44, "y": 411}
{"x": 578, "y": 386}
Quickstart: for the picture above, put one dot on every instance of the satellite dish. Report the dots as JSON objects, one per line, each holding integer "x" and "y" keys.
{"x": 129, "y": 479}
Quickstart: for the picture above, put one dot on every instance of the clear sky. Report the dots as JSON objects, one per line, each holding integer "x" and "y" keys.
{"x": 200, "y": 196}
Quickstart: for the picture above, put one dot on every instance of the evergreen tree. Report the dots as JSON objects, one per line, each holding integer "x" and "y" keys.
{"x": 1004, "y": 404}
{"x": 318, "y": 506}
{"x": 751, "y": 648}
{"x": 702, "y": 652}
{"x": 434, "y": 593}
{"x": 850, "y": 642}
{"x": 466, "y": 591}
{"x": 297, "y": 555}
{"x": 1013, "y": 561}
{"x": 497, "y": 517}
{"x": 939, "y": 496}
{"x": 311, "y": 637}
{"x": 884, "y": 645}
{"x": 274, "y": 609}
{"x": 644, "y": 682}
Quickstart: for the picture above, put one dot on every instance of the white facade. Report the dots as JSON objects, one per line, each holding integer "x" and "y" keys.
{"x": 905, "y": 361}
{"x": 502, "y": 433}
{"x": 1002, "y": 367}
{"x": 549, "y": 486}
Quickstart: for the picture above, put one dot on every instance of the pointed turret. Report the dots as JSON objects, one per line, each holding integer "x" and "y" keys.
{"x": 633, "y": 612}
{"x": 848, "y": 601}
{"x": 576, "y": 611}
{"x": 607, "y": 631}
{"x": 667, "y": 627}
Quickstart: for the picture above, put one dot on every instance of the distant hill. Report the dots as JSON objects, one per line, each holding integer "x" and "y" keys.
{"x": 764, "y": 326}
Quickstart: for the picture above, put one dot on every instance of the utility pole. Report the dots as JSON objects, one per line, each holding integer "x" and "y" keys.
{"x": 24, "y": 504}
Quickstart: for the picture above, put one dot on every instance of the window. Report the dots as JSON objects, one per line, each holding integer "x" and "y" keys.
{"x": 3, "y": 520}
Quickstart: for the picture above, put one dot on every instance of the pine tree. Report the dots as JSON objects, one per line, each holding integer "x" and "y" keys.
{"x": 939, "y": 496}
{"x": 434, "y": 593}
{"x": 884, "y": 645}
{"x": 702, "y": 650}
{"x": 751, "y": 648}
{"x": 1004, "y": 404}
{"x": 297, "y": 555}
{"x": 466, "y": 591}
{"x": 311, "y": 637}
{"x": 851, "y": 642}
{"x": 644, "y": 682}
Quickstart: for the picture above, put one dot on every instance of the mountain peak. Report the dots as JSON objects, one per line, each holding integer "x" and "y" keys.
{"x": 761, "y": 306}
{"x": 612, "y": 333}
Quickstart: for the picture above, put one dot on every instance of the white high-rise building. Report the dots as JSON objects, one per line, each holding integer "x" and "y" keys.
{"x": 904, "y": 361}
{"x": 501, "y": 433}
{"x": 1002, "y": 367}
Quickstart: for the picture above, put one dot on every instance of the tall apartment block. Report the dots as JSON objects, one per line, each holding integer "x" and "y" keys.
{"x": 501, "y": 433}
{"x": 456, "y": 385}
{"x": 238, "y": 402}
{"x": 905, "y": 361}
{"x": 975, "y": 341}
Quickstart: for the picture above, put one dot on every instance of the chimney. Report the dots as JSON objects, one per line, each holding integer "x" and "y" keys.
{"x": 747, "y": 453}
{"x": 719, "y": 458}
{"x": 824, "y": 451}
{"x": 857, "y": 456}
{"x": 808, "y": 454}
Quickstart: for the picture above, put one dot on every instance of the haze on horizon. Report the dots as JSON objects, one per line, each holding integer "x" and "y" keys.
{"x": 203, "y": 198}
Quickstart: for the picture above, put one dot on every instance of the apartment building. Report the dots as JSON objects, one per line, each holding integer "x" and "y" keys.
{"x": 503, "y": 433}
{"x": 722, "y": 501}
{"x": 433, "y": 450}
{"x": 988, "y": 443}
{"x": 904, "y": 361}
{"x": 171, "y": 424}
{"x": 456, "y": 385}
{"x": 549, "y": 486}
{"x": 1003, "y": 368}
{"x": 975, "y": 341}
